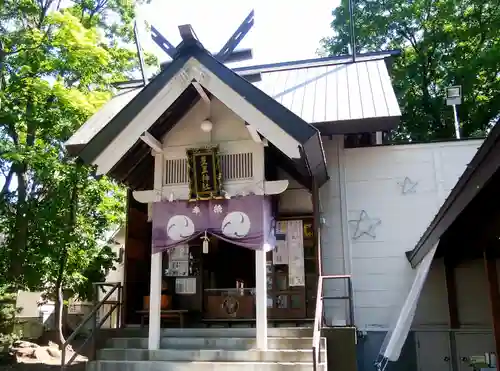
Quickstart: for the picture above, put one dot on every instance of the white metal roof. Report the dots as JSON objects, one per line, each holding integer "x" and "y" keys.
{"x": 338, "y": 92}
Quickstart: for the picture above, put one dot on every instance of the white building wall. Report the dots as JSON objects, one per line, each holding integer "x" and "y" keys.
{"x": 335, "y": 249}
{"x": 373, "y": 248}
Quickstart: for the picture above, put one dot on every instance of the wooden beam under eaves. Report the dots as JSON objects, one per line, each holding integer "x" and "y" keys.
{"x": 201, "y": 92}
{"x": 151, "y": 141}
{"x": 253, "y": 133}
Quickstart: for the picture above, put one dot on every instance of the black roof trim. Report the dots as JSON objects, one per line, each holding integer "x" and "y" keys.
{"x": 315, "y": 62}
{"x": 135, "y": 168}
{"x": 296, "y": 127}
{"x": 304, "y": 133}
{"x": 74, "y": 149}
{"x": 101, "y": 140}
{"x": 356, "y": 126}
{"x": 481, "y": 168}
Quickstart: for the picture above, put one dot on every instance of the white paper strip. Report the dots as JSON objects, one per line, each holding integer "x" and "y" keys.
{"x": 295, "y": 247}
{"x": 179, "y": 253}
{"x": 280, "y": 252}
{"x": 185, "y": 286}
{"x": 178, "y": 268}
{"x": 281, "y": 227}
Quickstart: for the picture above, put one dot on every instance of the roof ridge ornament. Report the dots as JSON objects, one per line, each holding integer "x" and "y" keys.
{"x": 227, "y": 54}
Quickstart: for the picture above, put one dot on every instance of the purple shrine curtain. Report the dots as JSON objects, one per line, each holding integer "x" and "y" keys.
{"x": 245, "y": 221}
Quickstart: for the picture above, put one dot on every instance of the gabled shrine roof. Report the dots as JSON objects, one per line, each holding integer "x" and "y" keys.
{"x": 111, "y": 138}
{"x": 334, "y": 94}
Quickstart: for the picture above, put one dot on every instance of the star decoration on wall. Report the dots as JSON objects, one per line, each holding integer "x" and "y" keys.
{"x": 408, "y": 186}
{"x": 365, "y": 225}
{"x": 196, "y": 210}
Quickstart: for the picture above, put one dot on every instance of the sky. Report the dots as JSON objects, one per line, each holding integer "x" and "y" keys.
{"x": 284, "y": 30}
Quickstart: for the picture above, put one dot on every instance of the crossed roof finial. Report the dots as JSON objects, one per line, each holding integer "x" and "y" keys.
{"x": 227, "y": 53}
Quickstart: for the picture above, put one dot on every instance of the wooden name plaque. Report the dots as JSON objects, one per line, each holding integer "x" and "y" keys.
{"x": 205, "y": 176}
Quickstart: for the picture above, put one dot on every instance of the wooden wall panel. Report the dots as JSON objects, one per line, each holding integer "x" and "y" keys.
{"x": 137, "y": 260}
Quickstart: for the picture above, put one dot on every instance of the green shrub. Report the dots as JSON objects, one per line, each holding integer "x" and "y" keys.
{"x": 7, "y": 322}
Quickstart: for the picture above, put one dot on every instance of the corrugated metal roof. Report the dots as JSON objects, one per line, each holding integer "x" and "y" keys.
{"x": 324, "y": 90}
{"x": 102, "y": 117}
{"x": 348, "y": 91}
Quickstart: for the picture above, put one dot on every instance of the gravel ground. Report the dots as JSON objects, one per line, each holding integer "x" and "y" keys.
{"x": 28, "y": 356}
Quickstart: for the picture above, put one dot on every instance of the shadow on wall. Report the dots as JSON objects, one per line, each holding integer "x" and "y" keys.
{"x": 369, "y": 346}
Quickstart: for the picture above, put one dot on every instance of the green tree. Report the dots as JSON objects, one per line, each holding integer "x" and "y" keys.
{"x": 7, "y": 324}
{"x": 56, "y": 69}
{"x": 443, "y": 43}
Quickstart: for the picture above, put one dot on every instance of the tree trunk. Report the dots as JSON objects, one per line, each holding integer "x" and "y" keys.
{"x": 19, "y": 240}
{"x": 6, "y": 185}
{"x": 59, "y": 307}
{"x": 59, "y": 304}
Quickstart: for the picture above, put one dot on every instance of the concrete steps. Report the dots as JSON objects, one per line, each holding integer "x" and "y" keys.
{"x": 199, "y": 366}
{"x": 228, "y": 343}
{"x": 207, "y": 355}
{"x": 242, "y": 332}
{"x": 204, "y": 349}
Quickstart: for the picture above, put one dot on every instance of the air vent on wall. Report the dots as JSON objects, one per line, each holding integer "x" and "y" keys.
{"x": 237, "y": 166}
{"x": 176, "y": 172}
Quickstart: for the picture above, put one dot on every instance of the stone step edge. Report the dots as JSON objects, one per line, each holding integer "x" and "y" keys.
{"x": 216, "y": 338}
{"x": 213, "y": 362}
{"x": 286, "y": 350}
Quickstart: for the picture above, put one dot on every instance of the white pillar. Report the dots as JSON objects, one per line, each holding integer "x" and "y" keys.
{"x": 156, "y": 273}
{"x": 261, "y": 299}
{"x": 155, "y": 302}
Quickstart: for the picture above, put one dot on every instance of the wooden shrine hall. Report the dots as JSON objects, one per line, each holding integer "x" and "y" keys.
{"x": 199, "y": 146}
{"x": 205, "y": 155}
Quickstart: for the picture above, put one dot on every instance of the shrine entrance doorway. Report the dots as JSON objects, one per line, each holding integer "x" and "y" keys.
{"x": 218, "y": 287}
{"x": 228, "y": 282}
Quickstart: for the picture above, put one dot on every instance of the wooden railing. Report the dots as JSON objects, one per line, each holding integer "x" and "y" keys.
{"x": 92, "y": 316}
{"x": 318, "y": 314}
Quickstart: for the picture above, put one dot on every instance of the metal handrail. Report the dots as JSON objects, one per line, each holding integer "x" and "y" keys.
{"x": 318, "y": 313}
{"x": 93, "y": 315}
{"x": 317, "y": 325}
